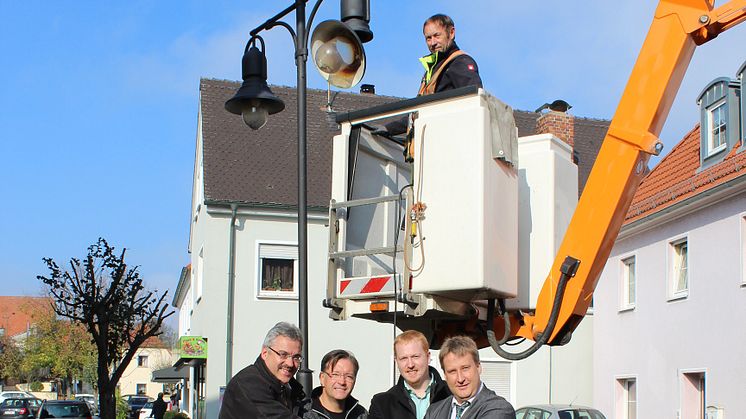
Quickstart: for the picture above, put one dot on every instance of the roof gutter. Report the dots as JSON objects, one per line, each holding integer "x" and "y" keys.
{"x": 701, "y": 200}
{"x": 217, "y": 210}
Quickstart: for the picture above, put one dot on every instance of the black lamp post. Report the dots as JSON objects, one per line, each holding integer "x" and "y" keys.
{"x": 254, "y": 101}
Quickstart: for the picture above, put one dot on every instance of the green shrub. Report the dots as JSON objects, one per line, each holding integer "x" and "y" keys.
{"x": 36, "y": 386}
{"x": 174, "y": 415}
{"x": 122, "y": 406}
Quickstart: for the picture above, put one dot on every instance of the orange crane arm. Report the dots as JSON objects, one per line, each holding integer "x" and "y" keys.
{"x": 678, "y": 27}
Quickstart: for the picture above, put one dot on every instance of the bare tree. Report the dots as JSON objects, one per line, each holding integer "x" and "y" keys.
{"x": 109, "y": 299}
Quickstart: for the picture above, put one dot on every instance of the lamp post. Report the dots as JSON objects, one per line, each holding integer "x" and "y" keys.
{"x": 254, "y": 101}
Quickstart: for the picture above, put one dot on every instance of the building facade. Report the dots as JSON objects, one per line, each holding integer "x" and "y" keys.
{"x": 664, "y": 345}
{"x": 137, "y": 378}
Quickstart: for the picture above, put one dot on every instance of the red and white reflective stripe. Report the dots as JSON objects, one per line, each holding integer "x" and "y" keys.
{"x": 366, "y": 286}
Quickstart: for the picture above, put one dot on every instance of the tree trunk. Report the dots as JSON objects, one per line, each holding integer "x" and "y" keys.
{"x": 107, "y": 404}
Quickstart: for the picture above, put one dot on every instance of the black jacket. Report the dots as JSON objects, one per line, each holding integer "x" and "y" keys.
{"x": 255, "y": 393}
{"x": 460, "y": 72}
{"x": 353, "y": 409}
{"x": 159, "y": 408}
{"x": 396, "y": 404}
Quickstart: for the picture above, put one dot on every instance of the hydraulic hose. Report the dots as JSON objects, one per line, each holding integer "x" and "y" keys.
{"x": 568, "y": 269}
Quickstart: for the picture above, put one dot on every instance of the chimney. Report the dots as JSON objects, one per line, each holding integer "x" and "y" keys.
{"x": 369, "y": 89}
{"x": 557, "y": 121}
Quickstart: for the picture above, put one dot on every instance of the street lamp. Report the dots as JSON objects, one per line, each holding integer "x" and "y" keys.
{"x": 341, "y": 61}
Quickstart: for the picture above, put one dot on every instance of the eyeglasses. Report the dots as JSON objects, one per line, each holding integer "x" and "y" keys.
{"x": 340, "y": 377}
{"x": 284, "y": 356}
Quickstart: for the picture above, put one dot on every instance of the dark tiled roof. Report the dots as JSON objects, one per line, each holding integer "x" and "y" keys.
{"x": 589, "y": 134}
{"x": 259, "y": 168}
{"x": 678, "y": 177}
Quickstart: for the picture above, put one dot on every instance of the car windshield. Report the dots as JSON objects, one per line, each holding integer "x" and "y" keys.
{"x": 148, "y": 405}
{"x": 138, "y": 400}
{"x": 65, "y": 411}
{"x": 532, "y": 413}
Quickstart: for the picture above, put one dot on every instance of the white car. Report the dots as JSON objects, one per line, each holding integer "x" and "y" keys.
{"x": 15, "y": 395}
{"x": 146, "y": 411}
{"x": 90, "y": 399}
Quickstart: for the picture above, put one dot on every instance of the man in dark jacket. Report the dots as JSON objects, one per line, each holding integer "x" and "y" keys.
{"x": 447, "y": 67}
{"x": 459, "y": 358}
{"x": 419, "y": 384}
{"x": 333, "y": 399}
{"x": 159, "y": 407}
{"x": 267, "y": 389}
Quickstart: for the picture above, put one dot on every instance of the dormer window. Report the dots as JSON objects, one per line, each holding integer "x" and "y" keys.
{"x": 717, "y": 126}
{"x": 720, "y": 120}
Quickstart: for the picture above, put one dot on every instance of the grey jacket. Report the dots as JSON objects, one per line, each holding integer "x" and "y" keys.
{"x": 487, "y": 404}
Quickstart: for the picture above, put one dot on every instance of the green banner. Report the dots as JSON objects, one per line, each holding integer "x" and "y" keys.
{"x": 194, "y": 347}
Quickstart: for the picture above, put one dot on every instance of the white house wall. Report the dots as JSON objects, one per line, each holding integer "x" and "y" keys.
{"x": 660, "y": 339}
{"x": 254, "y": 317}
{"x": 133, "y": 375}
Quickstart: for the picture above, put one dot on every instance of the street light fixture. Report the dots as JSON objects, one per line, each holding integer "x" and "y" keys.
{"x": 254, "y": 101}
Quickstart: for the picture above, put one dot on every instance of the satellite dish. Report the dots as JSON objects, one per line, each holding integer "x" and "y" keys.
{"x": 338, "y": 54}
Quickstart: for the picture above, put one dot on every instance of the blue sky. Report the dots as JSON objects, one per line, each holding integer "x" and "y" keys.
{"x": 99, "y": 101}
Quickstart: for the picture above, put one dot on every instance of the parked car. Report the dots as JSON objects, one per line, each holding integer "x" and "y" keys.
{"x": 558, "y": 411}
{"x": 13, "y": 394}
{"x": 135, "y": 403}
{"x": 64, "y": 409}
{"x": 19, "y": 408}
{"x": 146, "y": 411}
{"x": 91, "y": 399}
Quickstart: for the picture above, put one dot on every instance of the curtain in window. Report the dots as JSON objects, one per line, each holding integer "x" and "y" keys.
{"x": 277, "y": 274}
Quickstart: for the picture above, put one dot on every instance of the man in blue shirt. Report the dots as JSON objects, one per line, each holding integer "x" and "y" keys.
{"x": 419, "y": 384}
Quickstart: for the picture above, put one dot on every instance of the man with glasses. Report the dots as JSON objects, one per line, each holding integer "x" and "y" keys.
{"x": 333, "y": 400}
{"x": 419, "y": 384}
{"x": 267, "y": 389}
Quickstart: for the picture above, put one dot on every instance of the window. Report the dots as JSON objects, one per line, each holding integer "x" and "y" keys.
{"x": 629, "y": 283}
{"x": 142, "y": 361}
{"x": 679, "y": 275}
{"x": 719, "y": 120}
{"x": 717, "y": 125}
{"x": 142, "y": 389}
{"x": 278, "y": 270}
{"x": 626, "y": 396}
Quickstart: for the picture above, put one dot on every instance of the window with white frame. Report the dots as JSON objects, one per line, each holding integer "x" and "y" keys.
{"x": 717, "y": 126}
{"x": 142, "y": 389}
{"x": 626, "y": 396}
{"x": 679, "y": 268}
{"x": 277, "y": 275}
{"x": 142, "y": 361}
{"x": 629, "y": 283}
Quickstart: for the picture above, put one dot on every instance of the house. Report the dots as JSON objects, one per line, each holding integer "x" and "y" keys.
{"x": 665, "y": 341}
{"x": 137, "y": 378}
{"x": 18, "y": 314}
{"x": 243, "y": 232}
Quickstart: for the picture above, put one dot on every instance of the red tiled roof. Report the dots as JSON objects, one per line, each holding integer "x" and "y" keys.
{"x": 678, "y": 177}
{"x": 17, "y": 314}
